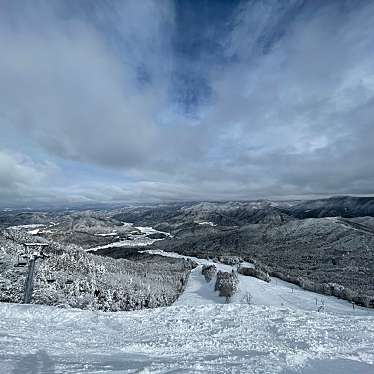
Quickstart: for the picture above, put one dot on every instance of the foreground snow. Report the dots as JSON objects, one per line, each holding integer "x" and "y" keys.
{"x": 281, "y": 332}
{"x": 215, "y": 338}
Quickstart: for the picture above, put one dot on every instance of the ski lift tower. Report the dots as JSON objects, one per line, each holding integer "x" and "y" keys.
{"x": 37, "y": 254}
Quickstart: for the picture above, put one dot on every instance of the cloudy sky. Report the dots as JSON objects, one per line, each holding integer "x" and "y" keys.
{"x": 128, "y": 100}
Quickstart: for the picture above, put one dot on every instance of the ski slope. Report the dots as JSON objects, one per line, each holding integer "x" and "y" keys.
{"x": 281, "y": 332}
{"x": 215, "y": 338}
{"x": 276, "y": 293}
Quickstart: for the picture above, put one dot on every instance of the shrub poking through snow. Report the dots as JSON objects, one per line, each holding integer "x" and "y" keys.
{"x": 247, "y": 298}
{"x": 227, "y": 284}
{"x": 254, "y": 272}
{"x": 229, "y": 260}
{"x": 209, "y": 272}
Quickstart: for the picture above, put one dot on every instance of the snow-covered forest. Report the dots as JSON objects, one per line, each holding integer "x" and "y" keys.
{"x": 69, "y": 276}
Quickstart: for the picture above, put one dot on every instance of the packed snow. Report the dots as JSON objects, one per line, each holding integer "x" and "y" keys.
{"x": 230, "y": 338}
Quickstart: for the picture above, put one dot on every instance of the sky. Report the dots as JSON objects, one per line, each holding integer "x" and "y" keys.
{"x": 138, "y": 101}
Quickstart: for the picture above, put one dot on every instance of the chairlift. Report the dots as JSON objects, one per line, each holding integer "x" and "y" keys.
{"x": 69, "y": 281}
{"x": 21, "y": 262}
{"x": 51, "y": 280}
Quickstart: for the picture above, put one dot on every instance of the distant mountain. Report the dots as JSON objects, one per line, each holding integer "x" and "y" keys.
{"x": 342, "y": 206}
{"x": 15, "y": 218}
{"x": 233, "y": 213}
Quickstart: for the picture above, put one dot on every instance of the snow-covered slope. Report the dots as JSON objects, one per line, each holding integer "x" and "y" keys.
{"x": 230, "y": 338}
{"x": 281, "y": 332}
{"x": 276, "y": 293}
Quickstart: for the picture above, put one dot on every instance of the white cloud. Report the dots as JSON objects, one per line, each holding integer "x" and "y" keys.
{"x": 67, "y": 87}
{"x": 290, "y": 112}
{"x": 21, "y": 178}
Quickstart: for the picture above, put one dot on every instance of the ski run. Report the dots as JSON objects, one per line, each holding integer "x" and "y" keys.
{"x": 283, "y": 330}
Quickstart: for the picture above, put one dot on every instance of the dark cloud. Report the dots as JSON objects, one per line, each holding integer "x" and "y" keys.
{"x": 263, "y": 99}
